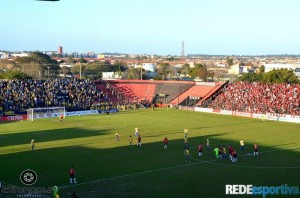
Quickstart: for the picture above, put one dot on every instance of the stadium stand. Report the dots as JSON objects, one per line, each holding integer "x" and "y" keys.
{"x": 195, "y": 94}
{"x": 133, "y": 91}
{"x": 78, "y": 94}
{"x": 172, "y": 89}
{"x": 259, "y": 98}
{"x": 136, "y": 90}
{"x": 212, "y": 92}
{"x": 16, "y": 95}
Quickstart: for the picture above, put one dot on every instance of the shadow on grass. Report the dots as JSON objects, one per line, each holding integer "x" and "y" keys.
{"x": 150, "y": 170}
{"x": 48, "y": 135}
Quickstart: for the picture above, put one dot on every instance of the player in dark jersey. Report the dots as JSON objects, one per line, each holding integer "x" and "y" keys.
{"x": 230, "y": 149}
{"x": 255, "y": 150}
{"x": 72, "y": 175}
{"x": 234, "y": 156}
{"x": 139, "y": 141}
{"x": 165, "y": 141}
{"x": 200, "y": 147}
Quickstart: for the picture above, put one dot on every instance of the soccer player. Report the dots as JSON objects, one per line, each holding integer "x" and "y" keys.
{"x": 139, "y": 141}
{"x": 165, "y": 141}
{"x": 130, "y": 140}
{"x": 200, "y": 150}
{"x": 255, "y": 150}
{"x": 32, "y": 144}
{"x": 61, "y": 117}
{"x": 72, "y": 176}
{"x": 234, "y": 156}
{"x": 242, "y": 145}
{"x": 220, "y": 152}
{"x": 216, "y": 150}
{"x": 187, "y": 155}
{"x": 73, "y": 195}
{"x": 136, "y": 132}
{"x": 224, "y": 155}
{"x": 55, "y": 191}
{"x": 107, "y": 109}
{"x": 185, "y": 131}
{"x": 230, "y": 150}
{"x": 185, "y": 140}
{"x": 152, "y": 106}
{"x": 207, "y": 145}
{"x": 117, "y": 136}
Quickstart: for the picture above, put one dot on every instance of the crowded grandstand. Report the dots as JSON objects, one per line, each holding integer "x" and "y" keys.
{"x": 16, "y": 96}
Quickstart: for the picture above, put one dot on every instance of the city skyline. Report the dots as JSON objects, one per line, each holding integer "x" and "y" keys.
{"x": 228, "y": 27}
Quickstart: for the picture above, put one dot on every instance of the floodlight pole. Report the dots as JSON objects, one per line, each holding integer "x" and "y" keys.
{"x": 141, "y": 72}
{"x": 79, "y": 71}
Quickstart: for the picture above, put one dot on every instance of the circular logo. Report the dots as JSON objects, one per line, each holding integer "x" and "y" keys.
{"x": 28, "y": 177}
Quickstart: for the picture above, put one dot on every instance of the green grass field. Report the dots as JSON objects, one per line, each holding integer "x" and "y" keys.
{"x": 106, "y": 168}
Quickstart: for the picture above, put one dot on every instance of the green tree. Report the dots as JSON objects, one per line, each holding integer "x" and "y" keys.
{"x": 94, "y": 70}
{"x": 36, "y": 65}
{"x": 274, "y": 76}
{"x": 157, "y": 77}
{"x": 163, "y": 70}
{"x": 262, "y": 69}
{"x": 82, "y": 60}
{"x": 75, "y": 69}
{"x": 6, "y": 64}
{"x": 171, "y": 58}
{"x": 133, "y": 73}
{"x": 119, "y": 66}
{"x": 250, "y": 77}
{"x": 185, "y": 69}
{"x": 199, "y": 71}
{"x": 280, "y": 76}
{"x": 14, "y": 74}
{"x": 70, "y": 61}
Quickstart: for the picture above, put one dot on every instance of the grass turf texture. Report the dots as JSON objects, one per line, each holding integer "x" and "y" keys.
{"x": 106, "y": 168}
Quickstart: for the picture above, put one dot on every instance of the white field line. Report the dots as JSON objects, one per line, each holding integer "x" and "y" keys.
{"x": 161, "y": 169}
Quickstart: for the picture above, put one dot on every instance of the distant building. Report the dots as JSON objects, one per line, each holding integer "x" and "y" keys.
{"x": 150, "y": 69}
{"x": 65, "y": 65}
{"x": 235, "y": 69}
{"x": 221, "y": 65}
{"x": 101, "y": 56}
{"x": 270, "y": 67}
{"x": 16, "y": 55}
{"x": 111, "y": 75}
{"x": 297, "y": 72}
{"x": 241, "y": 68}
{"x": 60, "y": 50}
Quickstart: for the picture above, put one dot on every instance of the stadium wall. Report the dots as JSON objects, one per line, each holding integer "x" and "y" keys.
{"x": 267, "y": 116}
{"x": 53, "y": 115}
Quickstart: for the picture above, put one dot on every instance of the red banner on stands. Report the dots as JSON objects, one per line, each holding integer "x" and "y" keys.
{"x": 217, "y": 110}
{"x": 13, "y": 118}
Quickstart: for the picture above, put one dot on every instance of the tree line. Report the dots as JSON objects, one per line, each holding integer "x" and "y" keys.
{"x": 40, "y": 66}
{"x": 274, "y": 76}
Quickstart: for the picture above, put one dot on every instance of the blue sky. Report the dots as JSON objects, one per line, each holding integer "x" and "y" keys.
{"x": 229, "y": 27}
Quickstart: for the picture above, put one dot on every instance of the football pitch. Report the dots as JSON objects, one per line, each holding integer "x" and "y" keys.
{"x": 107, "y": 168}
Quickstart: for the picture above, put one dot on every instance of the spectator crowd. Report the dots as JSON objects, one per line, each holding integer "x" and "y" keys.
{"x": 74, "y": 94}
{"x": 259, "y": 98}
